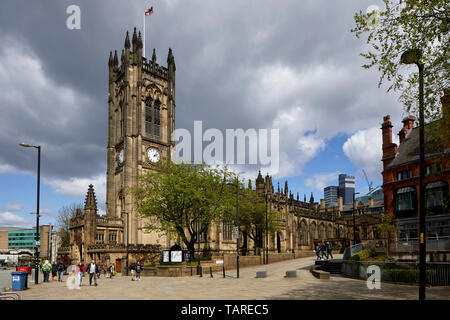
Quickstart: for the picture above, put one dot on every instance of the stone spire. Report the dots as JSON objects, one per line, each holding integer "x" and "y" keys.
{"x": 90, "y": 202}
{"x": 285, "y": 187}
{"x": 116, "y": 61}
{"x": 127, "y": 41}
{"x": 311, "y": 199}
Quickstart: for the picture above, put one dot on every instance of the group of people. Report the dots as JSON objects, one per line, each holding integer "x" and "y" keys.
{"x": 324, "y": 249}
{"x": 93, "y": 269}
{"x": 57, "y": 270}
{"x": 136, "y": 270}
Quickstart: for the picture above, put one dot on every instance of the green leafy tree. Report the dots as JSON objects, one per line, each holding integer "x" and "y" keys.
{"x": 405, "y": 25}
{"x": 170, "y": 199}
{"x": 63, "y": 222}
{"x": 386, "y": 228}
{"x": 252, "y": 217}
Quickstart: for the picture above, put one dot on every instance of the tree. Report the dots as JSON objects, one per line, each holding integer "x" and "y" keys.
{"x": 252, "y": 217}
{"x": 63, "y": 222}
{"x": 405, "y": 25}
{"x": 386, "y": 228}
{"x": 171, "y": 197}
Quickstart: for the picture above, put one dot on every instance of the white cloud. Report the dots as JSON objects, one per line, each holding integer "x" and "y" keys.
{"x": 364, "y": 151}
{"x": 13, "y": 207}
{"x": 321, "y": 180}
{"x": 8, "y": 219}
{"x": 77, "y": 187}
{"x": 6, "y": 168}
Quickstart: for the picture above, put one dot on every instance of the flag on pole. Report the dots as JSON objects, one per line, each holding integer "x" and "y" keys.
{"x": 149, "y": 11}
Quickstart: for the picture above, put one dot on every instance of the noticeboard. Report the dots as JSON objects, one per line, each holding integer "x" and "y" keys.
{"x": 166, "y": 255}
{"x": 176, "y": 256}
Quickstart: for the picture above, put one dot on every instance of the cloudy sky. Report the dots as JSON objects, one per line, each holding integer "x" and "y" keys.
{"x": 291, "y": 65}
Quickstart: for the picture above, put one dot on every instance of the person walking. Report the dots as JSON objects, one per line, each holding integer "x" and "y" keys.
{"x": 133, "y": 271}
{"x": 100, "y": 267}
{"x": 111, "y": 270}
{"x": 329, "y": 250}
{"x": 61, "y": 268}
{"x": 80, "y": 271}
{"x": 322, "y": 250}
{"x": 317, "y": 248}
{"x": 54, "y": 271}
{"x": 138, "y": 271}
{"x": 46, "y": 268}
{"x": 92, "y": 270}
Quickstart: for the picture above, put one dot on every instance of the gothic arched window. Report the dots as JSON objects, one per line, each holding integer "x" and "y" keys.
{"x": 148, "y": 117}
{"x": 157, "y": 118}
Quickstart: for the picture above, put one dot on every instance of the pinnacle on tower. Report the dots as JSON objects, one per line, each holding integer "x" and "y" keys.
{"x": 127, "y": 41}
{"x": 110, "y": 61}
{"x": 140, "y": 41}
{"x": 116, "y": 62}
{"x": 286, "y": 187}
{"x": 311, "y": 199}
{"x": 90, "y": 202}
{"x": 154, "y": 56}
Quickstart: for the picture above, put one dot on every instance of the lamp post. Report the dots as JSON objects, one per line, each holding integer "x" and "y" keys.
{"x": 267, "y": 229}
{"x": 413, "y": 56}
{"x": 26, "y": 145}
{"x": 127, "y": 229}
{"x": 354, "y": 222}
{"x": 198, "y": 241}
{"x": 237, "y": 226}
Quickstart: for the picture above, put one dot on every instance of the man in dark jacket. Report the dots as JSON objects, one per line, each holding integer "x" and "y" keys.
{"x": 329, "y": 250}
{"x": 92, "y": 270}
{"x": 61, "y": 267}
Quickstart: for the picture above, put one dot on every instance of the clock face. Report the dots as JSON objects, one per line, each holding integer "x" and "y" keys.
{"x": 153, "y": 155}
{"x": 120, "y": 157}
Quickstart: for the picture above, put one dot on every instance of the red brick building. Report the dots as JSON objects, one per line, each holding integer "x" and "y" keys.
{"x": 401, "y": 174}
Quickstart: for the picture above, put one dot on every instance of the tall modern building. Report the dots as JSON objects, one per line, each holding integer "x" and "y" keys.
{"x": 331, "y": 194}
{"x": 346, "y": 188}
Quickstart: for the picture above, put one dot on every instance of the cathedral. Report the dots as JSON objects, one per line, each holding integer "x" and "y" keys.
{"x": 141, "y": 120}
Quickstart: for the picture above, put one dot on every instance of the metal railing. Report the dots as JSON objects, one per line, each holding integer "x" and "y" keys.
{"x": 412, "y": 244}
{"x": 438, "y": 273}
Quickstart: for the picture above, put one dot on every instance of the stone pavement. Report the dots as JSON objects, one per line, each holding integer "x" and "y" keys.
{"x": 247, "y": 287}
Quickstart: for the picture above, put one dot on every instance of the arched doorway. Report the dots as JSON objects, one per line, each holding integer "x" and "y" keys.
{"x": 278, "y": 243}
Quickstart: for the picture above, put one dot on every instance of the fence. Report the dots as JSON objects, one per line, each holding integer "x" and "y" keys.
{"x": 412, "y": 244}
{"x": 438, "y": 273}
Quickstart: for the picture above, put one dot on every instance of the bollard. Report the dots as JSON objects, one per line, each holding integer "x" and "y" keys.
{"x": 191, "y": 271}
{"x": 201, "y": 271}
{"x": 223, "y": 269}
{"x": 291, "y": 274}
{"x": 261, "y": 274}
{"x": 210, "y": 271}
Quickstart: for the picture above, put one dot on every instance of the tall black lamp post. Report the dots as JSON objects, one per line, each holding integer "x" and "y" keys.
{"x": 26, "y": 145}
{"x": 267, "y": 229}
{"x": 127, "y": 230}
{"x": 237, "y": 226}
{"x": 413, "y": 56}
{"x": 354, "y": 221}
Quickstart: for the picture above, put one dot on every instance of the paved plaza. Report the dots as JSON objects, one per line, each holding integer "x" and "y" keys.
{"x": 247, "y": 287}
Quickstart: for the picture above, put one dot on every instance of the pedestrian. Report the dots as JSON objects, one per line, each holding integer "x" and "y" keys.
{"x": 317, "y": 248}
{"x": 92, "y": 270}
{"x": 60, "y": 267}
{"x": 133, "y": 271}
{"x": 112, "y": 269}
{"x": 46, "y": 268}
{"x": 99, "y": 271}
{"x": 322, "y": 250}
{"x": 329, "y": 250}
{"x": 80, "y": 271}
{"x": 138, "y": 271}
{"x": 54, "y": 271}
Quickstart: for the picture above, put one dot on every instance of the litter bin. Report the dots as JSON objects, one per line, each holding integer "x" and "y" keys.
{"x": 19, "y": 280}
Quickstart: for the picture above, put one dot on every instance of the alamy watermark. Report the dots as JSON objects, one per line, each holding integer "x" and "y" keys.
{"x": 74, "y": 20}
{"x": 374, "y": 277}
{"x": 229, "y": 151}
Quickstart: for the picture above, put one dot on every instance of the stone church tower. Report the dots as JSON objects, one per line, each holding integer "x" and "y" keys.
{"x": 141, "y": 120}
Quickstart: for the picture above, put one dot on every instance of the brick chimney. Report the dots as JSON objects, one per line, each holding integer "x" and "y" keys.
{"x": 408, "y": 124}
{"x": 389, "y": 148}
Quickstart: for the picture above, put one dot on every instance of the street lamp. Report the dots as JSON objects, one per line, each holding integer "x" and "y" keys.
{"x": 26, "y": 145}
{"x": 267, "y": 229}
{"x": 413, "y": 56}
{"x": 237, "y": 226}
{"x": 198, "y": 242}
{"x": 354, "y": 224}
{"x": 127, "y": 229}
